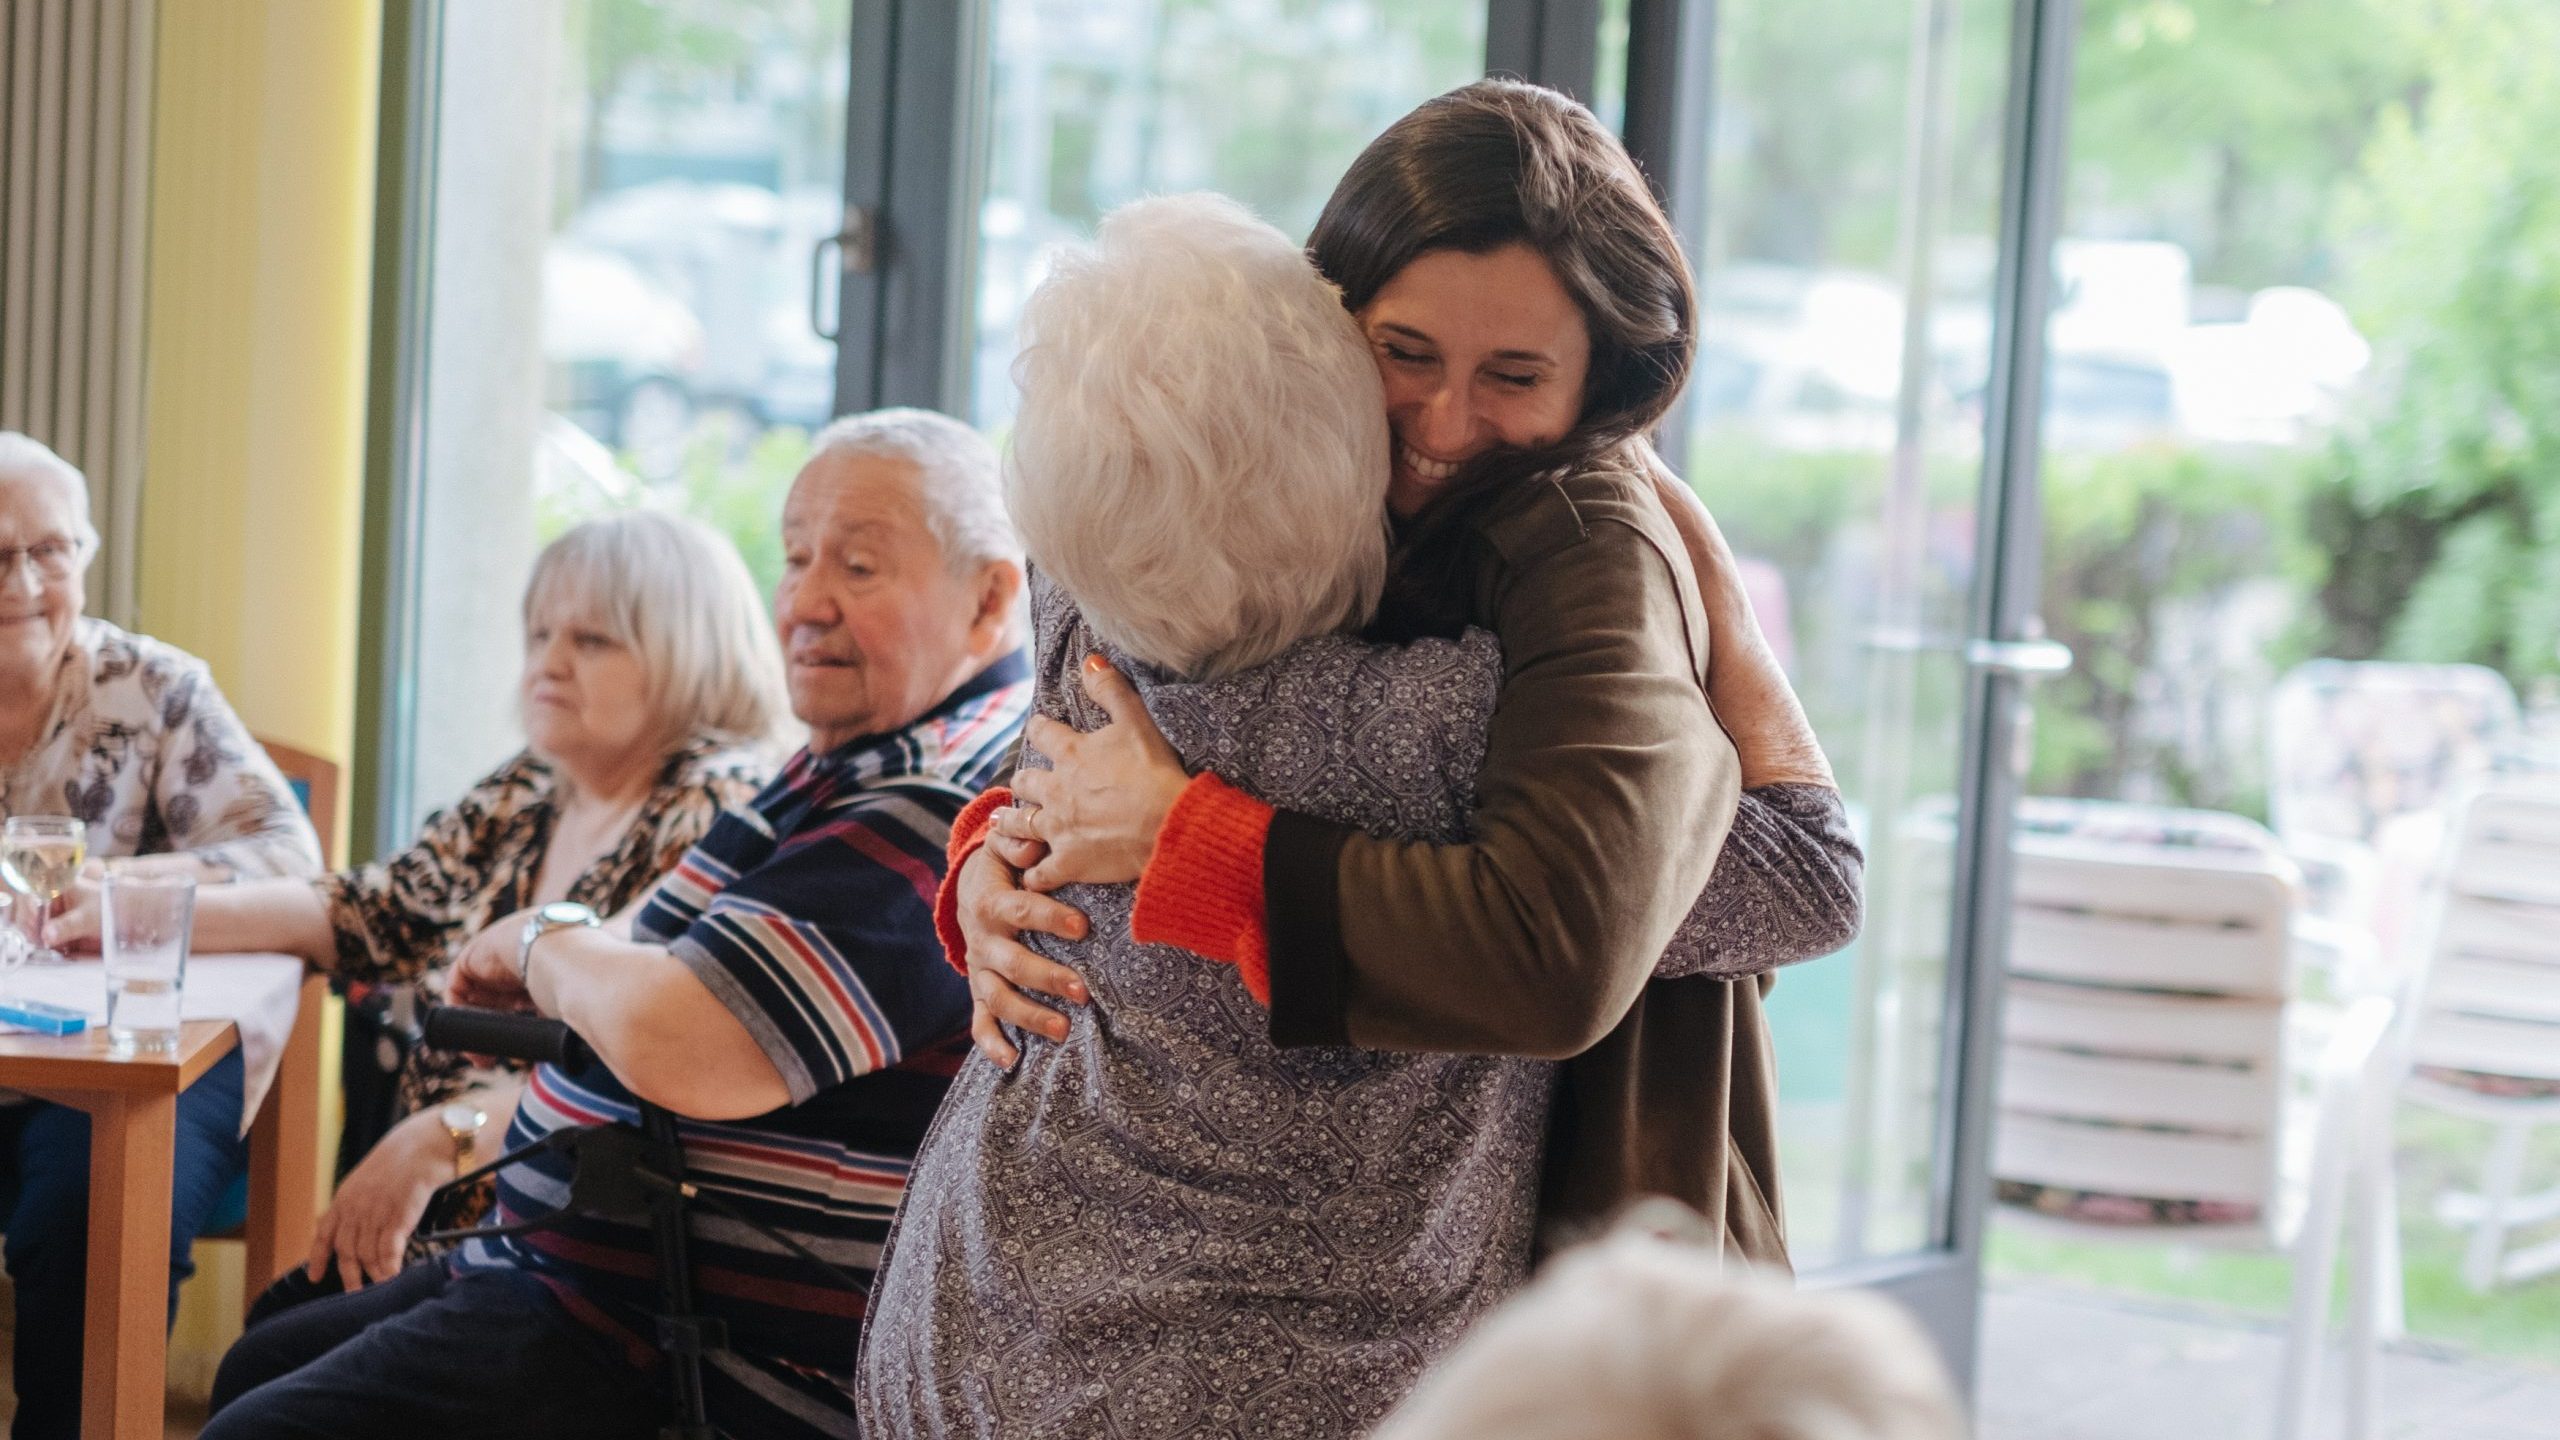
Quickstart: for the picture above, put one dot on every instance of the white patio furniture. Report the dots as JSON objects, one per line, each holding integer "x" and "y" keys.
{"x": 2485, "y": 1042}
{"x": 2159, "y": 1080}
{"x": 2354, "y": 745}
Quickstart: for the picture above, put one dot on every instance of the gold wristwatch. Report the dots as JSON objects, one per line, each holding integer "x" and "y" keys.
{"x": 463, "y": 1121}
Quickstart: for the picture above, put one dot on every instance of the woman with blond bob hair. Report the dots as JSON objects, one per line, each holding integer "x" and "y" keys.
{"x": 652, "y": 698}
{"x": 1198, "y": 469}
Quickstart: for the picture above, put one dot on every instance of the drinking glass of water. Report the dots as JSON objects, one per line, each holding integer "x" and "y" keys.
{"x": 144, "y": 933}
{"x": 38, "y": 856}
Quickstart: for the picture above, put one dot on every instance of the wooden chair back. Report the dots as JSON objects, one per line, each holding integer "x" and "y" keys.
{"x": 314, "y": 780}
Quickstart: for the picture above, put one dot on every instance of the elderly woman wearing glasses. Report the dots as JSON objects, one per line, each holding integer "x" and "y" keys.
{"x": 130, "y": 737}
{"x": 118, "y": 730}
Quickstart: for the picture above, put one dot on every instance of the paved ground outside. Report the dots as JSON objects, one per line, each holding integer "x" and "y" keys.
{"x": 2064, "y": 1363}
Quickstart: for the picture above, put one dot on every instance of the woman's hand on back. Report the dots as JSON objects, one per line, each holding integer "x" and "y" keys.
{"x": 1099, "y": 808}
{"x": 1746, "y": 686}
{"x": 994, "y": 911}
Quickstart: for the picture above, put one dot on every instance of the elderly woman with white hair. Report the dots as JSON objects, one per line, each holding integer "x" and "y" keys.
{"x": 1647, "y": 1334}
{"x": 117, "y": 730}
{"x": 132, "y": 738}
{"x": 651, "y": 697}
{"x": 1164, "y": 1222}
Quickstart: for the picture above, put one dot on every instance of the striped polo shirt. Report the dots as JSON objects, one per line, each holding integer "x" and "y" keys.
{"x": 810, "y": 916}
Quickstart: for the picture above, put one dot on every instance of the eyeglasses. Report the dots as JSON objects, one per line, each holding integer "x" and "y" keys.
{"x": 52, "y": 559}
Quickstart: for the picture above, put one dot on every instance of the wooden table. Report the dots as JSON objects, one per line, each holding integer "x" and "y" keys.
{"x": 132, "y": 1103}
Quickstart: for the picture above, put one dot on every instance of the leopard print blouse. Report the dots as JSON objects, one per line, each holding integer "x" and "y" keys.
{"x": 406, "y": 917}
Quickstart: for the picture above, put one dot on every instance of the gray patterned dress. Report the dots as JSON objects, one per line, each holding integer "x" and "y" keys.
{"x": 1167, "y": 1226}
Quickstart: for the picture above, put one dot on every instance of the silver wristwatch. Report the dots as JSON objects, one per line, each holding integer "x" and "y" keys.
{"x": 558, "y": 915}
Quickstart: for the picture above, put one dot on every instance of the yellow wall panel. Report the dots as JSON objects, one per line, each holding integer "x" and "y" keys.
{"x": 261, "y": 262}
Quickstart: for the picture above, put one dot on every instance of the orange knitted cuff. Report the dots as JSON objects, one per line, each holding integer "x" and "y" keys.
{"x": 1202, "y": 888}
{"x": 968, "y": 832}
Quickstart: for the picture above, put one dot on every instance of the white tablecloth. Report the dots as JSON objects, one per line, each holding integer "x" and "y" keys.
{"x": 258, "y": 993}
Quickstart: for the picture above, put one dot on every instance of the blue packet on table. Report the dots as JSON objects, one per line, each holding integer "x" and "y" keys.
{"x": 42, "y": 1018}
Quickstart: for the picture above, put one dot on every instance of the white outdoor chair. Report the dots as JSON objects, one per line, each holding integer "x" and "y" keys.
{"x": 2486, "y": 1038}
{"x": 2153, "y": 1058}
{"x": 2354, "y": 745}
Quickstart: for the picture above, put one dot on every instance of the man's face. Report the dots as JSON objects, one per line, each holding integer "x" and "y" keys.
{"x": 875, "y": 628}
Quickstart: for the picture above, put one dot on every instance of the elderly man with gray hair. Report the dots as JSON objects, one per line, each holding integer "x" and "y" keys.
{"x": 782, "y": 991}
{"x": 131, "y": 738}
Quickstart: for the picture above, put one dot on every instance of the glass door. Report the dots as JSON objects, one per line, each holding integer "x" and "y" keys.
{"x": 1863, "y": 258}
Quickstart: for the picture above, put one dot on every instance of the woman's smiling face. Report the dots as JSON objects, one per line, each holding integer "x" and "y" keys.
{"x": 42, "y": 541}
{"x": 1477, "y": 351}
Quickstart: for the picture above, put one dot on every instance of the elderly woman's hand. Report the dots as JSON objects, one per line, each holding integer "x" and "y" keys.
{"x": 484, "y": 975}
{"x": 994, "y": 909}
{"x": 1009, "y": 835}
{"x": 1746, "y": 686}
{"x": 73, "y": 927}
{"x": 1099, "y": 809}
{"x": 367, "y": 1226}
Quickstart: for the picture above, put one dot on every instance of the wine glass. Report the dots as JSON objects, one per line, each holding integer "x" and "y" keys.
{"x": 14, "y": 945}
{"x": 38, "y": 856}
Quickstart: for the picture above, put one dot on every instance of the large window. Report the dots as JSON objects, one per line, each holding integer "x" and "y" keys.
{"x": 1097, "y": 102}
{"x": 2300, "y": 405}
{"x": 2293, "y": 384}
{"x": 630, "y": 278}
{"x": 627, "y": 195}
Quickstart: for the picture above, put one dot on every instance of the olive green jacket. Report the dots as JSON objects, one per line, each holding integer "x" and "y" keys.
{"x": 1607, "y": 790}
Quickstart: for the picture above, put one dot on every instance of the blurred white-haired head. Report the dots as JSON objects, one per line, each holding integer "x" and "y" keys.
{"x": 1639, "y": 1337}
{"x": 1200, "y": 458}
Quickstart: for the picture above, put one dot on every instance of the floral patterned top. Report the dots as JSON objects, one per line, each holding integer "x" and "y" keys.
{"x": 406, "y": 917}
{"x": 143, "y": 747}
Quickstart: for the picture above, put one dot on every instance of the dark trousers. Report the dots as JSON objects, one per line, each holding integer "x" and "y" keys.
{"x": 45, "y": 1149}
{"x": 293, "y": 1288}
{"x": 430, "y": 1354}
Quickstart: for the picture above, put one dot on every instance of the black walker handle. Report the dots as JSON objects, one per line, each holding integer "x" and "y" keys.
{"x": 507, "y": 1034}
{"x": 682, "y": 1333}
